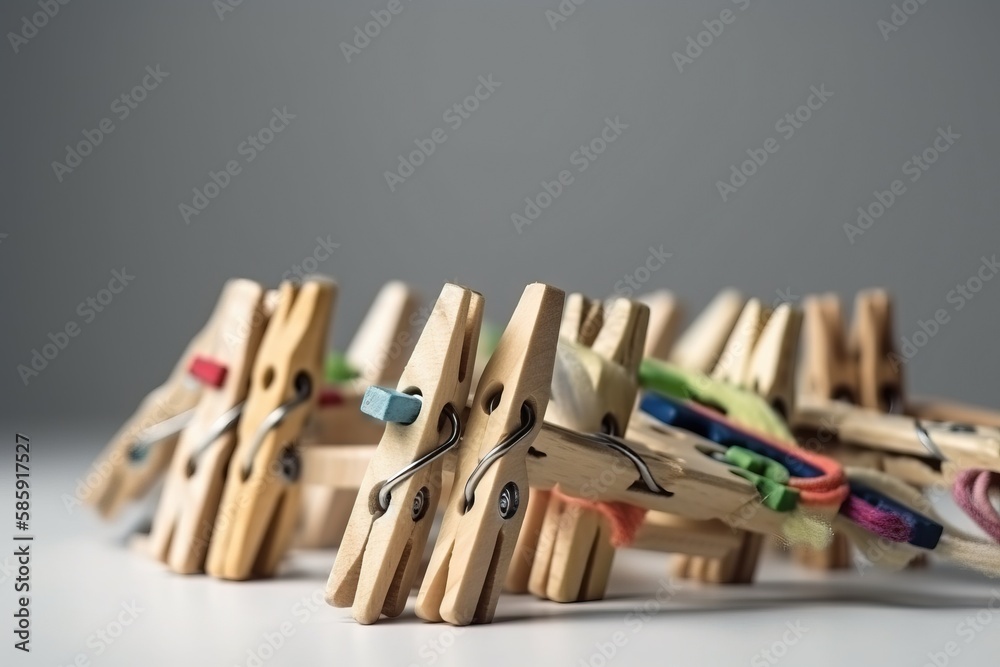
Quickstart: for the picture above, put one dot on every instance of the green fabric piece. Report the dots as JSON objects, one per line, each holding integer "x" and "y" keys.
{"x": 337, "y": 369}
{"x": 741, "y": 406}
{"x": 773, "y": 495}
{"x": 757, "y": 464}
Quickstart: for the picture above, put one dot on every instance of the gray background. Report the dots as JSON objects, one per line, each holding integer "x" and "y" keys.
{"x": 451, "y": 219}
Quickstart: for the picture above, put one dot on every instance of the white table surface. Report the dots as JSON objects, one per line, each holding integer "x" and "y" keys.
{"x": 84, "y": 579}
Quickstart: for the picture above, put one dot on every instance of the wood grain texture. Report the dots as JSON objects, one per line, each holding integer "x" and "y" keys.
{"x": 185, "y": 515}
{"x": 260, "y": 506}
{"x": 475, "y": 545}
{"x": 381, "y": 550}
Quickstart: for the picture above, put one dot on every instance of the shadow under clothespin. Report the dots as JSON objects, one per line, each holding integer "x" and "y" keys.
{"x": 185, "y": 516}
{"x": 260, "y": 502}
{"x": 391, "y": 519}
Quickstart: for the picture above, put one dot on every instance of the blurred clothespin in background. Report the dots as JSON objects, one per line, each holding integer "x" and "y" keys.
{"x": 185, "y": 517}
{"x": 261, "y": 499}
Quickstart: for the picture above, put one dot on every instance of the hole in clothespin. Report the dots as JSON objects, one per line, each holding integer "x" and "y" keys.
{"x": 420, "y": 503}
{"x": 956, "y": 427}
{"x": 374, "y": 508}
{"x": 509, "y": 500}
{"x": 268, "y": 377}
{"x": 843, "y": 394}
{"x": 609, "y": 425}
{"x": 302, "y": 384}
{"x": 492, "y": 400}
{"x": 891, "y": 399}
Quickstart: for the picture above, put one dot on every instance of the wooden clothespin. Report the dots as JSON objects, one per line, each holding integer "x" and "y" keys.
{"x": 185, "y": 516}
{"x": 699, "y": 347}
{"x": 854, "y": 366}
{"x": 880, "y": 380}
{"x": 581, "y": 322}
{"x": 139, "y": 454}
{"x": 391, "y": 519}
{"x": 483, "y": 517}
{"x": 947, "y": 447}
{"x": 378, "y": 354}
{"x": 944, "y": 410}
{"x": 582, "y": 319}
{"x": 260, "y": 500}
{"x": 665, "y": 313}
{"x": 573, "y": 554}
{"x": 760, "y": 356}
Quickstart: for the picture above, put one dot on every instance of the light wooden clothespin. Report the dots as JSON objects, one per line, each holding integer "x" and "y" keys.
{"x": 139, "y": 454}
{"x": 665, "y": 313}
{"x": 854, "y": 366}
{"x": 378, "y": 353}
{"x": 943, "y": 448}
{"x": 261, "y": 498}
{"x": 665, "y": 469}
{"x": 483, "y": 517}
{"x": 851, "y": 366}
{"x": 581, "y": 322}
{"x": 880, "y": 381}
{"x": 760, "y": 356}
{"x": 699, "y": 347}
{"x": 392, "y": 516}
{"x": 185, "y": 516}
{"x": 573, "y": 552}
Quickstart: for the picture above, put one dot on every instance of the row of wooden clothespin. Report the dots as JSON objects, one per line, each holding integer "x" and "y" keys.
{"x": 554, "y": 461}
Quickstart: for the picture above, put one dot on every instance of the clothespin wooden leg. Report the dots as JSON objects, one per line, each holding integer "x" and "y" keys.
{"x": 577, "y": 565}
{"x": 261, "y": 499}
{"x": 182, "y": 526}
{"x": 484, "y": 514}
{"x": 581, "y": 322}
{"x": 389, "y": 525}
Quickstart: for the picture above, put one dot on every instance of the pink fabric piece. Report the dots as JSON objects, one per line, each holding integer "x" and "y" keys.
{"x": 884, "y": 524}
{"x": 971, "y": 492}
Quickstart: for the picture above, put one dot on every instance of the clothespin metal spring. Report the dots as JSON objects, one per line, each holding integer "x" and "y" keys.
{"x": 289, "y": 462}
{"x": 384, "y": 493}
{"x": 226, "y": 422}
{"x": 156, "y": 433}
{"x": 510, "y": 495}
